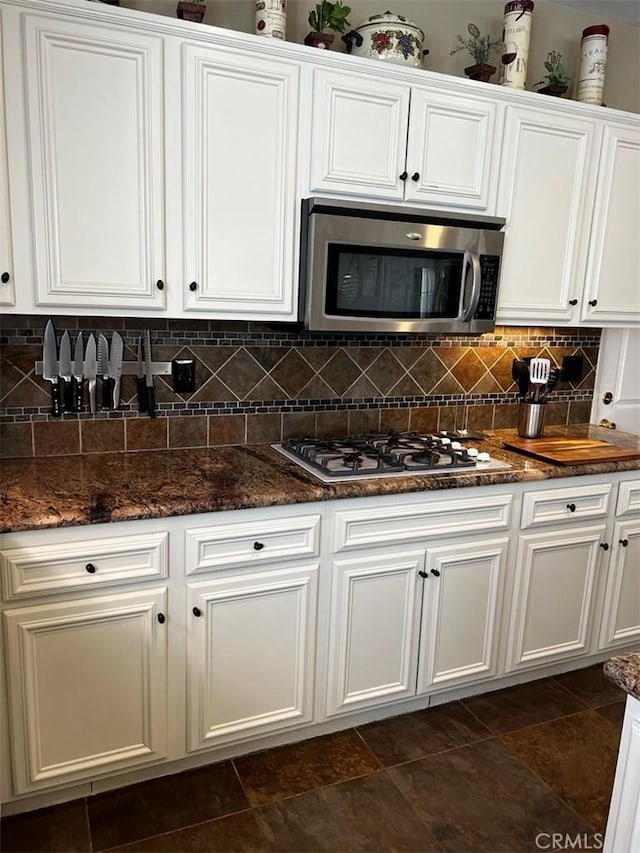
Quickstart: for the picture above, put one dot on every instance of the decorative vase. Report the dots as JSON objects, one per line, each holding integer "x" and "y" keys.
{"x": 190, "y": 11}
{"x": 480, "y": 71}
{"x": 389, "y": 37}
{"x": 515, "y": 48}
{"x": 271, "y": 18}
{"x": 556, "y": 91}
{"x": 320, "y": 40}
{"x": 593, "y": 62}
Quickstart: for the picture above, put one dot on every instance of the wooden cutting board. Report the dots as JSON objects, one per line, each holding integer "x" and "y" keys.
{"x": 571, "y": 451}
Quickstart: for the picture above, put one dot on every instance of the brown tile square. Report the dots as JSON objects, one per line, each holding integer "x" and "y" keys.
{"x": 292, "y": 373}
{"x": 59, "y": 829}
{"x": 163, "y": 805}
{"x": 289, "y": 770}
{"x": 361, "y": 388}
{"x": 363, "y": 814}
{"x": 334, "y": 424}
{"x": 226, "y": 429}
{"x": 16, "y": 440}
{"x": 241, "y": 373}
{"x": 427, "y": 371}
{"x": 579, "y": 412}
{"x": 501, "y": 369}
{"x": 576, "y": 756}
{"x": 523, "y": 705}
{"x": 506, "y": 417}
{"x": 316, "y": 389}
{"x": 394, "y": 419}
{"x": 340, "y": 372}
{"x": 188, "y": 431}
{"x": 364, "y": 420}
{"x": 422, "y": 733}
{"x": 239, "y": 833}
{"x": 386, "y": 371}
{"x": 482, "y": 798}
{"x": 424, "y": 420}
{"x": 614, "y": 713}
{"x": 28, "y": 392}
{"x": 101, "y": 436}
{"x": 591, "y": 685}
{"x": 264, "y": 429}
{"x": 146, "y": 433}
{"x": 448, "y": 417}
{"x": 56, "y": 438}
{"x": 556, "y": 413}
{"x": 479, "y": 417}
{"x": 298, "y": 424}
{"x": 468, "y": 370}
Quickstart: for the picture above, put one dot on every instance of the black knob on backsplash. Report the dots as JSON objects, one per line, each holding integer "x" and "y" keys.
{"x": 593, "y": 302}
{"x": 161, "y": 618}
{"x": 573, "y": 302}
{"x": 258, "y": 546}
{"x": 415, "y": 176}
{"x": 403, "y": 176}
{"x": 196, "y": 611}
{"x": 193, "y": 286}
{"x": 604, "y": 546}
{"x": 90, "y": 568}
{"x": 5, "y": 277}
{"x": 160, "y": 284}
{"x": 571, "y": 507}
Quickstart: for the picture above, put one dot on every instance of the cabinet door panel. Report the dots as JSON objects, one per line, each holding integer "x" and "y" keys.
{"x": 87, "y": 687}
{"x": 7, "y": 290}
{"x": 460, "y": 619}
{"x": 553, "y": 596}
{"x": 239, "y": 171}
{"x": 546, "y": 185}
{"x": 621, "y": 612}
{"x": 251, "y": 654}
{"x": 96, "y": 137}
{"x": 373, "y": 649}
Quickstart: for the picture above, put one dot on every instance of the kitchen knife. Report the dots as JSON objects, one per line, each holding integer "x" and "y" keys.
{"x": 141, "y": 385}
{"x": 78, "y": 371}
{"x": 65, "y": 371}
{"x": 50, "y": 368}
{"x": 90, "y": 369}
{"x": 148, "y": 376}
{"x": 115, "y": 366}
{"x": 103, "y": 371}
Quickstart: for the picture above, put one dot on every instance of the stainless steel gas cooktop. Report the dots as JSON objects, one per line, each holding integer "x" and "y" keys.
{"x": 387, "y": 455}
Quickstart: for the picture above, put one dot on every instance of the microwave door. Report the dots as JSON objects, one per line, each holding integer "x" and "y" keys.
{"x": 469, "y": 306}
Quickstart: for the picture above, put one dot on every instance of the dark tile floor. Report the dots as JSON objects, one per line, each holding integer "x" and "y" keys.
{"x": 489, "y": 773}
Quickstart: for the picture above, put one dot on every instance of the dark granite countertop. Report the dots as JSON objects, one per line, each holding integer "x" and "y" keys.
{"x": 74, "y": 490}
{"x": 624, "y": 670}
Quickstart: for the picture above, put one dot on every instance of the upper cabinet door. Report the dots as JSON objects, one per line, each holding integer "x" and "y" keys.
{"x": 546, "y": 191}
{"x": 239, "y": 171}
{"x": 451, "y": 150}
{"x": 7, "y": 290}
{"x": 358, "y": 135}
{"x": 612, "y": 290}
{"x": 94, "y": 101}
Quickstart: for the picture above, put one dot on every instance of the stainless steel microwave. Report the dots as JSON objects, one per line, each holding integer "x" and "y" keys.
{"x": 378, "y": 268}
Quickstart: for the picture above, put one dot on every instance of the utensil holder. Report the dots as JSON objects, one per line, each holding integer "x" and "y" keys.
{"x": 531, "y": 420}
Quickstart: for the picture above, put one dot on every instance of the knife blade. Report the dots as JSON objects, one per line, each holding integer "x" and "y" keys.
{"x": 90, "y": 372}
{"x": 115, "y": 366}
{"x": 78, "y": 370}
{"x": 148, "y": 375}
{"x": 141, "y": 385}
{"x": 50, "y": 368}
{"x": 103, "y": 371}
{"x": 65, "y": 371}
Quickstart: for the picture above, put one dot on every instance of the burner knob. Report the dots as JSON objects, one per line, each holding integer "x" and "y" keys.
{"x": 483, "y": 457}
{"x": 455, "y": 445}
{"x": 472, "y": 452}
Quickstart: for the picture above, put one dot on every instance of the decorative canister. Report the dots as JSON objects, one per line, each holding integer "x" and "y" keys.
{"x": 271, "y": 18}
{"x": 593, "y": 62}
{"x": 390, "y": 37}
{"x": 515, "y": 43}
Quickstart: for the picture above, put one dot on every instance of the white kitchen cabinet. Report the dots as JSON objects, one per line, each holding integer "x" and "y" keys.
{"x": 250, "y": 653}
{"x": 621, "y": 610}
{"x": 546, "y": 191}
{"x": 239, "y": 177}
{"x": 7, "y": 273}
{"x": 94, "y": 101}
{"x": 612, "y": 286}
{"x": 87, "y": 686}
{"x": 384, "y": 139}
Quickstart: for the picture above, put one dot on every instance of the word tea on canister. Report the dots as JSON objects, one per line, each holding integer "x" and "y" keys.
{"x": 593, "y": 62}
{"x": 516, "y": 35}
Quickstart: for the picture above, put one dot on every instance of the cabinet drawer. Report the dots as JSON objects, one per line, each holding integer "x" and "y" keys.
{"x": 251, "y": 543}
{"x": 63, "y": 566}
{"x": 628, "y": 498}
{"x": 574, "y": 502}
{"x": 382, "y": 525}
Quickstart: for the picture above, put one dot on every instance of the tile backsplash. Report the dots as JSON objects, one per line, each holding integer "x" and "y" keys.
{"x": 259, "y": 383}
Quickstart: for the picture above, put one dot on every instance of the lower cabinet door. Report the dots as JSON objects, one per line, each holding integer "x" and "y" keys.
{"x": 621, "y": 610}
{"x": 87, "y": 687}
{"x": 373, "y": 647}
{"x": 461, "y": 613}
{"x": 251, "y": 648}
{"x": 555, "y": 582}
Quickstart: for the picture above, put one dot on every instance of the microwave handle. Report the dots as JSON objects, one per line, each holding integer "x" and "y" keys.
{"x": 472, "y": 260}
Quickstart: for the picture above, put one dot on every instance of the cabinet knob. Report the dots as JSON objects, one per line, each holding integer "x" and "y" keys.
{"x": 258, "y": 546}
{"x": 196, "y": 611}
{"x": 160, "y": 284}
{"x": 573, "y": 302}
{"x": 571, "y": 507}
{"x": 623, "y": 542}
{"x": 424, "y": 574}
{"x": 435, "y": 573}
{"x": 593, "y": 302}
{"x": 5, "y": 277}
{"x": 404, "y": 176}
{"x": 90, "y": 568}
{"x": 415, "y": 176}
{"x": 161, "y": 618}
{"x": 193, "y": 286}
{"x": 604, "y": 546}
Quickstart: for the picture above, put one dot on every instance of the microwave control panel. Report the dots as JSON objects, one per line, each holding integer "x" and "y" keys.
{"x": 489, "y": 269}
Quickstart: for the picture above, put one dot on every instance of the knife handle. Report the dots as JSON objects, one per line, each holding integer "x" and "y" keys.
{"x": 77, "y": 387}
{"x": 56, "y": 399}
{"x": 143, "y": 397}
{"x": 92, "y": 396}
{"x": 107, "y": 392}
{"x": 151, "y": 401}
{"x": 68, "y": 395}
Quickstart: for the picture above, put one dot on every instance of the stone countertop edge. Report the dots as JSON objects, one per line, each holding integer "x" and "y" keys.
{"x": 110, "y": 487}
{"x": 624, "y": 671}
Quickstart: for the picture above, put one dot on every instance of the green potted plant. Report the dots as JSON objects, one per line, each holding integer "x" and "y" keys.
{"x": 480, "y": 48}
{"x": 326, "y": 16}
{"x": 557, "y": 81}
{"x": 191, "y": 11}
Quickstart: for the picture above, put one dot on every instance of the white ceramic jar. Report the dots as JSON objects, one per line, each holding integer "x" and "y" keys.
{"x": 388, "y": 37}
{"x": 515, "y": 48}
{"x": 271, "y": 18}
{"x": 593, "y": 62}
